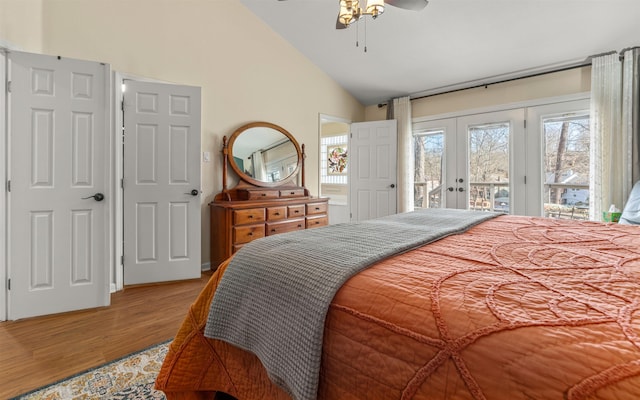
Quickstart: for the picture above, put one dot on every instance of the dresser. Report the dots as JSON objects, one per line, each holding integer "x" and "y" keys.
{"x": 235, "y": 223}
{"x": 270, "y": 197}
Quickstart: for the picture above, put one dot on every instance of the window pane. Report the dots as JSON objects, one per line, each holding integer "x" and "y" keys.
{"x": 489, "y": 167}
{"x": 330, "y": 175}
{"x": 429, "y": 150}
{"x": 566, "y": 189}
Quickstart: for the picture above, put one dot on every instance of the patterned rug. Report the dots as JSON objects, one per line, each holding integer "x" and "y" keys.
{"x": 129, "y": 378}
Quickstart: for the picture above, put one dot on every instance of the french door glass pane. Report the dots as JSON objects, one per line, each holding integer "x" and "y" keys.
{"x": 429, "y": 152}
{"x": 566, "y": 160}
{"x": 489, "y": 167}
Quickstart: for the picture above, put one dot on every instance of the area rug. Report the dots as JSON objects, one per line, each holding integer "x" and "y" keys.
{"x": 129, "y": 378}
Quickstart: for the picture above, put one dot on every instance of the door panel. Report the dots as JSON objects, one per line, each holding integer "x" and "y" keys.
{"x": 161, "y": 170}
{"x": 436, "y": 165}
{"x": 58, "y": 135}
{"x": 487, "y": 174}
{"x": 372, "y": 174}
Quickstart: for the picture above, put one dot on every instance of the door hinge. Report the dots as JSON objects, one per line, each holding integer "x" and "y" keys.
{"x": 525, "y": 179}
{"x": 122, "y": 260}
{"x": 9, "y": 284}
{"x": 525, "y": 124}
{"x": 122, "y": 105}
{"x": 122, "y": 183}
{"x": 8, "y": 86}
{"x": 8, "y": 185}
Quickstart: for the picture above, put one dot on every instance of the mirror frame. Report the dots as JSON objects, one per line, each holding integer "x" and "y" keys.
{"x": 247, "y": 178}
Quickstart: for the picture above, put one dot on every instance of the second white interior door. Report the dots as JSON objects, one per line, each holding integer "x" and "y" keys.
{"x": 161, "y": 182}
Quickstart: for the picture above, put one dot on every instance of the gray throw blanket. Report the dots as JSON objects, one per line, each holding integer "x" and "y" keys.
{"x": 274, "y": 295}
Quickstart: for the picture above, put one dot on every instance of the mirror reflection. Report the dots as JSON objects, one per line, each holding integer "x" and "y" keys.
{"x": 264, "y": 154}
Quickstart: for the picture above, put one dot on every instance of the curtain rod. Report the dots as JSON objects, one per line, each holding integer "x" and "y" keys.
{"x": 575, "y": 65}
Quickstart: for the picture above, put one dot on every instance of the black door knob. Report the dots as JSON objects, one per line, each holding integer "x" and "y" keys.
{"x": 194, "y": 192}
{"x": 392, "y": 185}
{"x": 96, "y": 197}
{"x": 450, "y": 188}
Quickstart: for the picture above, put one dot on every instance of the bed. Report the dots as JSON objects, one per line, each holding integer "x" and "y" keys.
{"x": 511, "y": 308}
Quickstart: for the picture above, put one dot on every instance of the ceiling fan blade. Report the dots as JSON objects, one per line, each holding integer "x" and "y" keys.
{"x": 413, "y": 5}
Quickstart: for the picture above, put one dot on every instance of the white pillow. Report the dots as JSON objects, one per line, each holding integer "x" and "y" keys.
{"x": 631, "y": 213}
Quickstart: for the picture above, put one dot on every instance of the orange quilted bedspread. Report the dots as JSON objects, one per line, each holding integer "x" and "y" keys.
{"x": 516, "y": 308}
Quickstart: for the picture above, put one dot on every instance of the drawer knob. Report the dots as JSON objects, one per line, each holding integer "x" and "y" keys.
{"x": 277, "y": 213}
{"x": 263, "y": 194}
{"x": 250, "y": 233}
{"x": 292, "y": 192}
{"x": 317, "y": 208}
{"x": 250, "y": 216}
{"x": 273, "y": 230}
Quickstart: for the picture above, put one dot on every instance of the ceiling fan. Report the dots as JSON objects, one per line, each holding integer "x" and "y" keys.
{"x": 351, "y": 10}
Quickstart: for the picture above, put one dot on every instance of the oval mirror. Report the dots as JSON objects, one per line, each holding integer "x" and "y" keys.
{"x": 264, "y": 154}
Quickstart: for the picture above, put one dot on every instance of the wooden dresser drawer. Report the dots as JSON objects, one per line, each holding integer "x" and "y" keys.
{"x": 247, "y": 233}
{"x": 316, "y": 208}
{"x": 248, "y": 216}
{"x": 317, "y": 221}
{"x": 297, "y": 192}
{"x": 276, "y": 213}
{"x": 259, "y": 194}
{"x": 285, "y": 226}
{"x": 295, "y": 211}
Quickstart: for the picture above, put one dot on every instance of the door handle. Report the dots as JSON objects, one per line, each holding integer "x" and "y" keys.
{"x": 194, "y": 192}
{"x": 96, "y": 197}
{"x": 392, "y": 185}
{"x": 450, "y": 188}
{"x": 460, "y": 189}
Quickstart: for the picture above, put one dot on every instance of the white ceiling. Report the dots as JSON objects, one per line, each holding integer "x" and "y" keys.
{"x": 451, "y": 43}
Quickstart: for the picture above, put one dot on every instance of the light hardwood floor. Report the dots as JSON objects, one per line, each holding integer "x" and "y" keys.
{"x": 37, "y": 351}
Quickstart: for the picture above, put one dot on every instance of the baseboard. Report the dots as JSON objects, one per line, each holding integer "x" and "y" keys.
{"x": 206, "y": 266}
{"x": 112, "y": 288}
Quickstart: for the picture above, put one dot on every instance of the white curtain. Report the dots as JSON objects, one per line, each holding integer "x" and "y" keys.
{"x": 614, "y": 130}
{"x": 631, "y": 114}
{"x": 259, "y": 169}
{"x": 400, "y": 110}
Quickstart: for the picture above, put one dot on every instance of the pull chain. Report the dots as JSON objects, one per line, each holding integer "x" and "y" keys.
{"x": 365, "y": 34}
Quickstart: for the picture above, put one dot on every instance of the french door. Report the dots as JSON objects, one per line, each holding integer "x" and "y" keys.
{"x": 468, "y": 162}
{"x": 525, "y": 161}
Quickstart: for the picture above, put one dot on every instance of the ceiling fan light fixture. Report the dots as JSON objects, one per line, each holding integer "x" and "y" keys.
{"x": 349, "y": 11}
{"x": 375, "y": 7}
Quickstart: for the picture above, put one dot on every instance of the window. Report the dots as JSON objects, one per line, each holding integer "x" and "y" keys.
{"x": 330, "y": 176}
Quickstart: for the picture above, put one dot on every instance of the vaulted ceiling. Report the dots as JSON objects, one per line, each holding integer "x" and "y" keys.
{"x": 450, "y": 44}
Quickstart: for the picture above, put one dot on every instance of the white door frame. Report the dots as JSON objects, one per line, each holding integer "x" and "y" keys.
{"x": 3, "y": 179}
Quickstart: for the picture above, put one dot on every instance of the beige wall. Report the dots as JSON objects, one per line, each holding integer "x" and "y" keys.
{"x": 246, "y": 71}
{"x": 555, "y": 84}
{"x": 21, "y": 24}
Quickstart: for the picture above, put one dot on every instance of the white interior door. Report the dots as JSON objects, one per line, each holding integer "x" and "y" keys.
{"x": 373, "y": 169}
{"x": 58, "y": 199}
{"x": 161, "y": 182}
